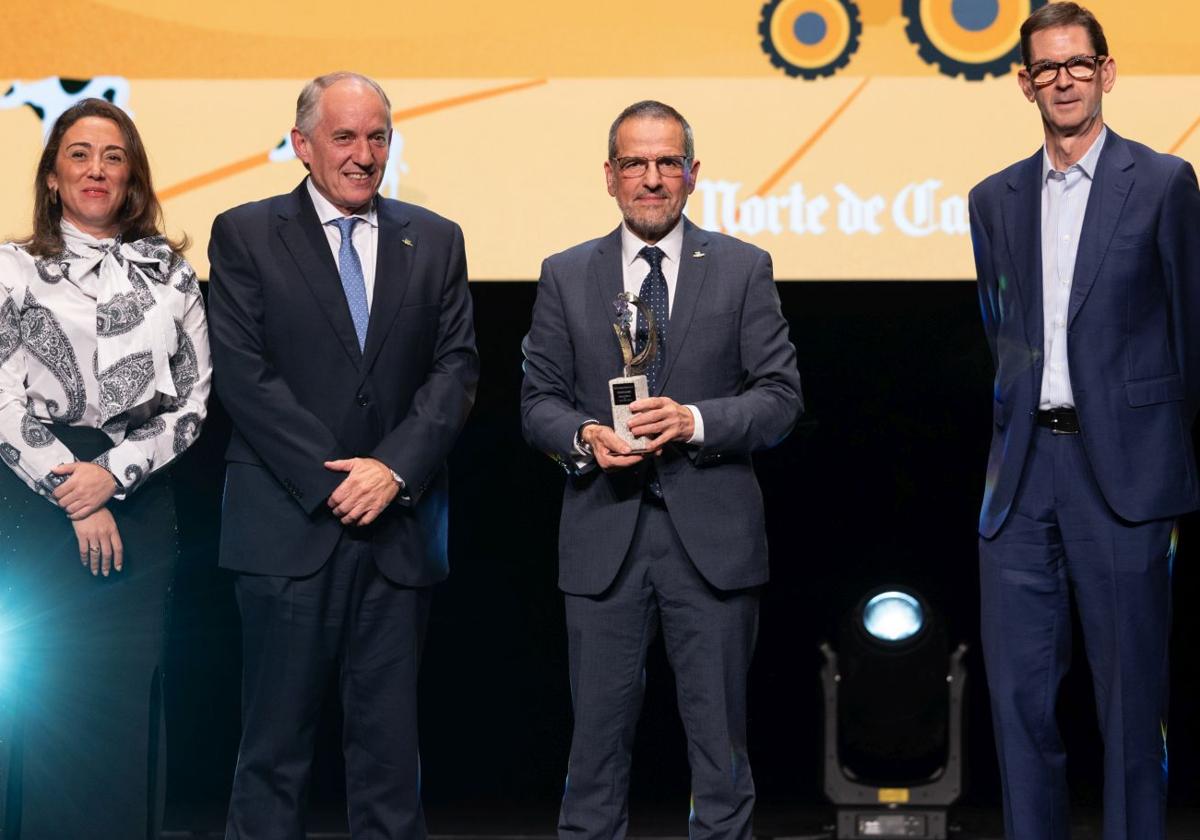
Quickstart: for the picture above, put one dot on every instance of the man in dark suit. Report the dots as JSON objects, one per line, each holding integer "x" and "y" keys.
{"x": 1088, "y": 261}
{"x": 345, "y": 353}
{"x": 673, "y": 537}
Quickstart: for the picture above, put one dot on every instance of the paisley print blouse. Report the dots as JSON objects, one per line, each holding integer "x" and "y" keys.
{"x": 109, "y": 335}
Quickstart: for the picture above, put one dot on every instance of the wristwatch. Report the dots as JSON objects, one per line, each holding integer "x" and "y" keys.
{"x": 582, "y": 446}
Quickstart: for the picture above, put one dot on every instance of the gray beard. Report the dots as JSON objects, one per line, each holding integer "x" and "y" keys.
{"x": 651, "y": 233}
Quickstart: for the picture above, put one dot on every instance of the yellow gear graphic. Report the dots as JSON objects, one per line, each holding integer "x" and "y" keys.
{"x": 810, "y": 38}
{"x": 974, "y": 38}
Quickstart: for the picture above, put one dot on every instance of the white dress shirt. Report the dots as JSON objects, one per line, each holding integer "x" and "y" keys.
{"x": 634, "y": 270}
{"x": 1064, "y": 201}
{"x": 365, "y": 237}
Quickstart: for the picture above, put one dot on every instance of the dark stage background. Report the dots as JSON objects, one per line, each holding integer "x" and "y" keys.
{"x": 880, "y": 483}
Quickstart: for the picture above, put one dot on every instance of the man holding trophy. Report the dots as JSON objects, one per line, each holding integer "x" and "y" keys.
{"x": 656, "y": 363}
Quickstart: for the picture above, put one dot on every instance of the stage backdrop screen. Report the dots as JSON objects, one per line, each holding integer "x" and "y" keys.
{"x": 841, "y": 135}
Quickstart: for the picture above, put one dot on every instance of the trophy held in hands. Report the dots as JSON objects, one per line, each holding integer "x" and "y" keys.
{"x": 631, "y": 386}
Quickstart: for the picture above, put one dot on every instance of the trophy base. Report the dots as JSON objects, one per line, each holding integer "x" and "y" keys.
{"x": 621, "y": 392}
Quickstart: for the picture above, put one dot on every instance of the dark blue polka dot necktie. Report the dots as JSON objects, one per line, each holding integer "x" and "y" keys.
{"x": 654, "y": 294}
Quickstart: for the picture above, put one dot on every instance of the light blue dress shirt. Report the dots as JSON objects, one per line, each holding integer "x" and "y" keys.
{"x": 364, "y": 236}
{"x": 1064, "y": 201}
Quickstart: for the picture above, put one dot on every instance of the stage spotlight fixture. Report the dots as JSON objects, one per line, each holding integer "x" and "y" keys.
{"x": 893, "y": 693}
{"x": 893, "y": 616}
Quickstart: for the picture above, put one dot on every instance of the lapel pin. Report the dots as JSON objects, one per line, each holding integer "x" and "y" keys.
{"x": 407, "y": 242}
{"x": 698, "y": 254}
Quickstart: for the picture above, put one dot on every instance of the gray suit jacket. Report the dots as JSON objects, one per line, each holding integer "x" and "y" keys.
{"x": 728, "y": 354}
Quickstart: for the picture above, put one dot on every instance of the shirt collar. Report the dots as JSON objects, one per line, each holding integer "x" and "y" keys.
{"x": 69, "y": 232}
{"x": 671, "y": 244}
{"x": 327, "y": 213}
{"x": 1086, "y": 164}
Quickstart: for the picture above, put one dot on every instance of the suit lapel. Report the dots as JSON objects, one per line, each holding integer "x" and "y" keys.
{"x": 1023, "y": 229}
{"x": 1114, "y": 177}
{"x": 607, "y": 279}
{"x": 693, "y": 271}
{"x": 302, "y": 235}
{"x": 394, "y": 259}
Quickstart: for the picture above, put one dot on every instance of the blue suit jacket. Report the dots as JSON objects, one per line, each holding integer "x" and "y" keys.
{"x": 1133, "y": 327}
{"x": 300, "y": 392}
{"x": 728, "y": 354}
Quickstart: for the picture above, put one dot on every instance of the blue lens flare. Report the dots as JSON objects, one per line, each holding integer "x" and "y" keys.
{"x": 893, "y": 616}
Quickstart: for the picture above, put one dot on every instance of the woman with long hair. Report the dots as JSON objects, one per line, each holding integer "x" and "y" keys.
{"x": 104, "y": 374}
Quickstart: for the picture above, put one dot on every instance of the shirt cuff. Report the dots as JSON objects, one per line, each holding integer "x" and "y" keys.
{"x": 697, "y": 438}
{"x": 128, "y": 465}
{"x": 401, "y": 487}
{"x": 582, "y": 455}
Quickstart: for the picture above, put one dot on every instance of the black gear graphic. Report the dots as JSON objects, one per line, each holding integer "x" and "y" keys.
{"x": 955, "y": 65}
{"x": 787, "y": 63}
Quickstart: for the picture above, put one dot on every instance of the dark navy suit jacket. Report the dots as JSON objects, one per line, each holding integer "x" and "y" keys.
{"x": 1133, "y": 327}
{"x": 300, "y": 392}
{"x": 728, "y": 354}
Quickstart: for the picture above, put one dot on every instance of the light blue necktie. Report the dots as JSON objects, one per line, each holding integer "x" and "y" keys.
{"x": 353, "y": 284}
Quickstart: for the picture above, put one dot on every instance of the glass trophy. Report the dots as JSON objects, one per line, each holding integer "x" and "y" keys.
{"x": 631, "y": 385}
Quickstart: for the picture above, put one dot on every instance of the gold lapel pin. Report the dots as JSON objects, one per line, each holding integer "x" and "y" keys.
{"x": 697, "y": 254}
{"x": 407, "y": 241}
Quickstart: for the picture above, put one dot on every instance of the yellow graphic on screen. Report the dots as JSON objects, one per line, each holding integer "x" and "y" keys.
{"x": 972, "y": 37}
{"x": 975, "y": 38}
{"x": 810, "y": 38}
{"x": 840, "y": 135}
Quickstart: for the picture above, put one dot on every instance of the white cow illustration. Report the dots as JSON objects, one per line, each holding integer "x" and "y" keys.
{"x": 49, "y": 97}
{"x": 390, "y": 186}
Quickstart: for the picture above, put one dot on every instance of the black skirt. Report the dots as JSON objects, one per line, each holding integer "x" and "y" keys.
{"x": 81, "y": 659}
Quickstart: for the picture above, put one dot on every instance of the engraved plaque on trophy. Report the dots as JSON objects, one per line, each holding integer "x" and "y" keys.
{"x": 631, "y": 385}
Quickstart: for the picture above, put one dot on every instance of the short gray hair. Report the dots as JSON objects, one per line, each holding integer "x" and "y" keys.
{"x": 308, "y": 105}
{"x": 651, "y": 109}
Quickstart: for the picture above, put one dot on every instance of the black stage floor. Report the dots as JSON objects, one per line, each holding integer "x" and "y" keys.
{"x": 773, "y": 824}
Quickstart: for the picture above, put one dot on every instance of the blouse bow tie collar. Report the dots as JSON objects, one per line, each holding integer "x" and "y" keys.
{"x": 133, "y": 324}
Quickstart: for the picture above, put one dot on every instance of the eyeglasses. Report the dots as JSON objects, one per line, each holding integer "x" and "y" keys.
{"x": 670, "y": 166}
{"x": 1079, "y": 67}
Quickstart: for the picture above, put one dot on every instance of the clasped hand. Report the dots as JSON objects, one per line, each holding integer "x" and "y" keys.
{"x": 83, "y": 496}
{"x": 100, "y": 546}
{"x": 366, "y": 490}
{"x": 87, "y": 488}
{"x": 660, "y": 418}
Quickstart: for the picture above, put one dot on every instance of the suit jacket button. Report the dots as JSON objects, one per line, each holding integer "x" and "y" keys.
{"x": 362, "y": 399}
